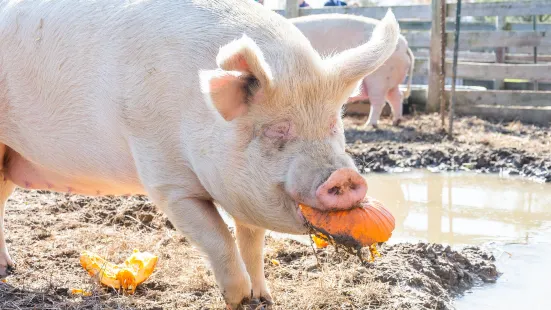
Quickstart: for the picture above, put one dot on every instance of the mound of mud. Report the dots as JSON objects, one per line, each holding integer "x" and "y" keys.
{"x": 479, "y": 145}
{"x": 407, "y": 276}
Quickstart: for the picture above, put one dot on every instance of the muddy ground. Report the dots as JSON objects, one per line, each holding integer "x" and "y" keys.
{"x": 47, "y": 231}
{"x": 478, "y": 145}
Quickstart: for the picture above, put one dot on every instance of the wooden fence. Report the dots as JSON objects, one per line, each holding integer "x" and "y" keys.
{"x": 489, "y": 52}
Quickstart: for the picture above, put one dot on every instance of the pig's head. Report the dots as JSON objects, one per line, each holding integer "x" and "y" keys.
{"x": 280, "y": 132}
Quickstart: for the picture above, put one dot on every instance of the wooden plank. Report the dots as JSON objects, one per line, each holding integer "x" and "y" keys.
{"x": 513, "y": 8}
{"x": 418, "y": 39}
{"x": 504, "y": 98}
{"x": 520, "y": 59}
{"x": 363, "y": 108}
{"x": 402, "y": 12}
{"x": 465, "y": 56}
{"x": 435, "y": 74}
{"x": 502, "y": 39}
{"x": 540, "y": 116}
{"x": 523, "y": 86}
{"x": 473, "y": 40}
{"x": 291, "y": 8}
{"x": 488, "y": 71}
{"x": 486, "y": 57}
{"x": 421, "y": 25}
{"x": 527, "y": 27}
{"x": 423, "y": 12}
{"x": 529, "y": 50}
{"x": 418, "y": 25}
{"x": 406, "y": 24}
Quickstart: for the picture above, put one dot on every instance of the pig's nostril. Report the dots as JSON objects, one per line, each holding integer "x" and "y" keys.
{"x": 335, "y": 190}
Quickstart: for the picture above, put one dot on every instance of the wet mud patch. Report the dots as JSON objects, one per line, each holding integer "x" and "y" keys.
{"x": 478, "y": 145}
{"x": 407, "y": 276}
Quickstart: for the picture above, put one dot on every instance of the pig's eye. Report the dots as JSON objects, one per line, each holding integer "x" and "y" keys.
{"x": 278, "y": 134}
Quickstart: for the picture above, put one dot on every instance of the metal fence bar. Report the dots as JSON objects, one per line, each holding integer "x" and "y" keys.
{"x": 454, "y": 70}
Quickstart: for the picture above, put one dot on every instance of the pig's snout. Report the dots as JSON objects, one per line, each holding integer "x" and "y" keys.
{"x": 343, "y": 189}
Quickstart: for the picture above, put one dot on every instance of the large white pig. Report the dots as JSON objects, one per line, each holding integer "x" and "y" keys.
{"x": 190, "y": 102}
{"x": 331, "y": 33}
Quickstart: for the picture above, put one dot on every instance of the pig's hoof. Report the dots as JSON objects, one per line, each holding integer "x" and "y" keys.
{"x": 266, "y": 302}
{"x": 6, "y": 270}
{"x": 373, "y": 126}
{"x": 254, "y": 304}
{"x": 397, "y": 122}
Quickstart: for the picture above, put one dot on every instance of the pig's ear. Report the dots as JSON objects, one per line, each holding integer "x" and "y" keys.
{"x": 242, "y": 72}
{"x": 354, "y": 64}
{"x": 244, "y": 56}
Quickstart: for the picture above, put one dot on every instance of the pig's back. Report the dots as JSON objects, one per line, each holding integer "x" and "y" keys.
{"x": 132, "y": 34}
{"x": 77, "y": 78}
{"x": 332, "y": 33}
{"x": 105, "y": 56}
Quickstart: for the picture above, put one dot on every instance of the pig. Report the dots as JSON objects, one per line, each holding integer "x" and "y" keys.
{"x": 197, "y": 104}
{"x": 330, "y": 33}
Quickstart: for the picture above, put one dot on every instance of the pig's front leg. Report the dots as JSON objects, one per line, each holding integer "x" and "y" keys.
{"x": 200, "y": 221}
{"x": 6, "y": 263}
{"x": 251, "y": 245}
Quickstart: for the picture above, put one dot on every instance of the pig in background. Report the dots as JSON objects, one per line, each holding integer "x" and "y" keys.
{"x": 191, "y": 102}
{"x": 334, "y": 33}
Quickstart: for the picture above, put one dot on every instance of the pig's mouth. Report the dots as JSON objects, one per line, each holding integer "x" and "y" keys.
{"x": 299, "y": 213}
{"x": 294, "y": 206}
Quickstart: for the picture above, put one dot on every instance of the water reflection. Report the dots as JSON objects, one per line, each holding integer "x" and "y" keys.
{"x": 461, "y": 208}
{"x": 510, "y": 217}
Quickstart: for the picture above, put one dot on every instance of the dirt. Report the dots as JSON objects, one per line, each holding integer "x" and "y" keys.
{"x": 478, "y": 145}
{"x": 47, "y": 231}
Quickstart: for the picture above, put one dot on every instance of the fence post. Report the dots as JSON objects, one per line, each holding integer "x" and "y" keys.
{"x": 435, "y": 63}
{"x": 291, "y": 8}
{"x": 500, "y": 51}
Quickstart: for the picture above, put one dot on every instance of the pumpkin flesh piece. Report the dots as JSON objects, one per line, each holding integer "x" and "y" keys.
{"x": 362, "y": 226}
{"x": 320, "y": 241}
{"x": 135, "y": 270}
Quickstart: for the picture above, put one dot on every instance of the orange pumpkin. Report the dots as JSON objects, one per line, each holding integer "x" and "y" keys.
{"x": 362, "y": 226}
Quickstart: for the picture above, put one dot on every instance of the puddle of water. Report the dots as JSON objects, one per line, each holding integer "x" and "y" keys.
{"x": 511, "y": 217}
{"x": 463, "y": 208}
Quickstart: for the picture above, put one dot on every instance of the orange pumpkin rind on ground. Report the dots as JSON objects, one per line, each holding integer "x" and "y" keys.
{"x": 320, "y": 241}
{"x": 364, "y": 226}
{"x": 127, "y": 276}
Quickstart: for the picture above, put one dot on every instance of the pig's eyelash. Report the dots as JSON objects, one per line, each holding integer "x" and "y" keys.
{"x": 281, "y": 145}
